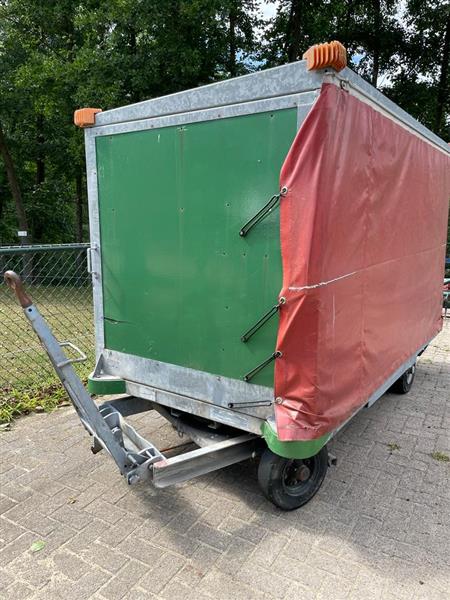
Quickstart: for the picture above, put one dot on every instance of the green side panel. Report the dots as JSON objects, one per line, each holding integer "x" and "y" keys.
{"x": 301, "y": 449}
{"x": 102, "y": 386}
{"x": 180, "y": 285}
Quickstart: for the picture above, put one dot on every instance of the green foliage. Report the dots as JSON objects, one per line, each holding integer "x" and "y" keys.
{"x": 58, "y": 55}
{"x": 21, "y": 401}
{"x": 440, "y": 456}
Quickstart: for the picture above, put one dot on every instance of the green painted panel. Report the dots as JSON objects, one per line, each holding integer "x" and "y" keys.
{"x": 104, "y": 386}
{"x": 297, "y": 449}
{"x": 180, "y": 285}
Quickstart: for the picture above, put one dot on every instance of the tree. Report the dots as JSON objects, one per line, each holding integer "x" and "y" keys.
{"x": 15, "y": 187}
{"x": 58, "y": 55}
{"x": 421, "y": 85}
{"x": 297, "y": 25}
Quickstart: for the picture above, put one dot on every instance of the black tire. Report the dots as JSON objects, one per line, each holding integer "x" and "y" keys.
{"x": 290, "y": 483}
{"x": 404, "y": 383}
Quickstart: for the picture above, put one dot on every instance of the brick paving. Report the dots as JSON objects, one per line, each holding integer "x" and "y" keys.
{"x": 378, "y": 529}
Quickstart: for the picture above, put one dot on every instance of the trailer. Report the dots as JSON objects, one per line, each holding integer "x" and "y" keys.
{"x": 252, "y": 247}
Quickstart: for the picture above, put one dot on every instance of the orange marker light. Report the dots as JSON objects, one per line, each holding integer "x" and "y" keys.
{"x": 85, "y": 117}
{"x": 321, "y": 56}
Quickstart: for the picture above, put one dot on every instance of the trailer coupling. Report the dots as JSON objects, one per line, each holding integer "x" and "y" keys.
{"x": 137, "y": 458}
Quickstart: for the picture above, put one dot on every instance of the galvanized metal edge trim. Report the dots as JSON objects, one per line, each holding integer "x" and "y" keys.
{"x": 214, "y": 389}
{"x": 305, "y": 99}
{"x": 94, "y": 226}
{"x": 366, "y": 92}
{"x": 196, "y": 407}
{"x": 279, "y": 81}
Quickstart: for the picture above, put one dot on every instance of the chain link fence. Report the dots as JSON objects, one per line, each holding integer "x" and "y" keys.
{"x": 57, "y": 280}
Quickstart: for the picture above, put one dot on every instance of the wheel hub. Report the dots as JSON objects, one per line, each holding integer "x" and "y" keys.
{"x": 297, "y": 474}
{"x": 303, "y": 473}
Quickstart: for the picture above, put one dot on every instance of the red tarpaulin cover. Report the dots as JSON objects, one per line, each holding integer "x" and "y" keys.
{"x": 363, "y": 233}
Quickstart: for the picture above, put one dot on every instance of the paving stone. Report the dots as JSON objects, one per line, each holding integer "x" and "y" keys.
{"x": 6, "y": 504}
{"x": 247, "y": 531}
{"x": 70, "y": 565}
{"x": 237, "y": 554}
{"x": 121, "y": 585}
{"x": 73, "y": 517}
{"x": 162, "y": 572}
{"x": 107, "y": 558}
{"x": 87, "y": 585}
{"x": 18, "y": 591}
{"x": 9, "y": 531}
{"x": 220, "y": 585}
{"x": 16, "y": 547}
{"x": 140, "y": 550}
{"x": 267, "y": 582}
{"x": 219, "y": 540}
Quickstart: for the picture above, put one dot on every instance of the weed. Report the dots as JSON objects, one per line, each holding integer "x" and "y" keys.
{"x": 393, "y": 446}
{"x": 16, "y": 401}
{"x": 440, "y": 456}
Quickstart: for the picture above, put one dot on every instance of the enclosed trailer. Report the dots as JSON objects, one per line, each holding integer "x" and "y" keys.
{"x": 253, "y": 248}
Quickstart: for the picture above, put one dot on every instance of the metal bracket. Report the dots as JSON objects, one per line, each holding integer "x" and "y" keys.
{"x": 332, "y": 460}
{"x": 250, "y": 404}
{"x": 69, "y": 361}
{"x": 89, "y": 260}
{"x": 204, "y": 460}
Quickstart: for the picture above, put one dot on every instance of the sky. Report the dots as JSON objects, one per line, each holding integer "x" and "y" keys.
{"x": 268, "y": 9}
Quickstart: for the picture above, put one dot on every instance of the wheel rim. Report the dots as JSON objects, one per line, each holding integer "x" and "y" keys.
{"x": 299, "y": 476}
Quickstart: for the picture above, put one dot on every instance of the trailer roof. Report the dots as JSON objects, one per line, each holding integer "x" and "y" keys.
{"x": 288, "y": 79}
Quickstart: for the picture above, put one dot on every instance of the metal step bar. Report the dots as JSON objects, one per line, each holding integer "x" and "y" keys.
{"x": 137, "y": 458}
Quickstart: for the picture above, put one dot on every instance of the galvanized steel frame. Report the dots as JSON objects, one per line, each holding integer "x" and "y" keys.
{"x": 272, "y": 83}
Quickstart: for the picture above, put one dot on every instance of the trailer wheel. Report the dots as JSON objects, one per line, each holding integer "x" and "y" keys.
{"x": 404, "y": 383}
{"x": 290, "y": 483}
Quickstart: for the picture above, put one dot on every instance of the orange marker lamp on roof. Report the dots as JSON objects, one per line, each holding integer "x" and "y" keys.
{"x": 85, "y": 117}
{"x": 320, "y": 56}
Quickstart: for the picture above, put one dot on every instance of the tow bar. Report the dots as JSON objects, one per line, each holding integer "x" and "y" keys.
{"x": 137, "y": 458}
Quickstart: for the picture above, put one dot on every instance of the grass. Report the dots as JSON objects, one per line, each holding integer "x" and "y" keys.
{"x": 27, "y": 379}
{"x": 440, "y": 456}
{"x": 21, "y": 401}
